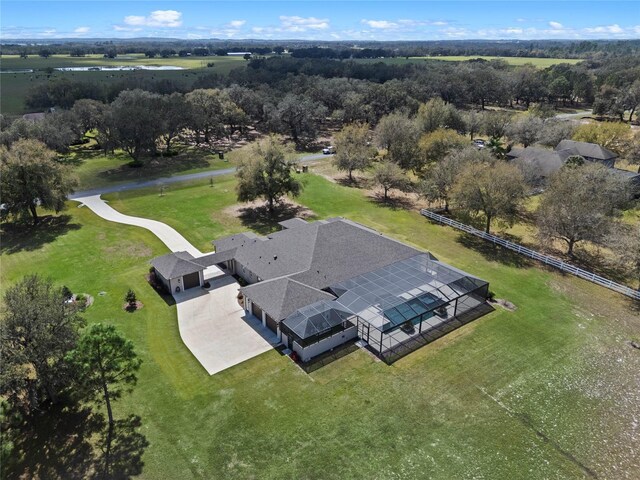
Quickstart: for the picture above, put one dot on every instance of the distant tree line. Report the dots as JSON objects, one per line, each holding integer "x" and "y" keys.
{"x": 337, "y": 49}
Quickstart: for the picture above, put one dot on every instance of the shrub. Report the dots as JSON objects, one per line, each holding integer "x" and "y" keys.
{"x": 67, "y": 294}
{"x": 131, "y": 299}
{"x": 81, "y": 300}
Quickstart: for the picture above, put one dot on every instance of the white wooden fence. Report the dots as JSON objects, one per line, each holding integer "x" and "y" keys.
{"x": 546, "y": 259}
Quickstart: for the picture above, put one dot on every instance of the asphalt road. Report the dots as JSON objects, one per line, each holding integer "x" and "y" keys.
{"x": 169, "y": 180}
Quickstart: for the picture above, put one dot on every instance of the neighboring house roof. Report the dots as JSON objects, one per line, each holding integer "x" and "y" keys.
{"x": 174, "y": 265}
{"x": 281, "y": 297}
{"x": 586, "y": 149}
{"x": 546, "y": 161}
{"x": 34, "y": 117}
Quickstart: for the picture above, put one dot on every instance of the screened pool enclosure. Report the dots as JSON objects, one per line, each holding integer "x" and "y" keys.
{"x": 394, "y": 309}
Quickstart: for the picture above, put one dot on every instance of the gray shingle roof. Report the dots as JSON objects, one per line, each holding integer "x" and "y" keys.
{"x": 586, "y": 149}
{"x": 232, "y": 241}
{"x": 546, "y": 161}
{"x": 315, "y": 255}
{"x": 281, "y": 297}
{"x": 318, "y": 254}
{"x": 293, "y": 223}
{"x": 174, "y": 265}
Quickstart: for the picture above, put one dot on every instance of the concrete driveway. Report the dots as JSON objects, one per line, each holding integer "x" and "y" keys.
{"x": 213, "y": 326}
{"x": 164, "y": 232}
{"x": 217, "y": 330}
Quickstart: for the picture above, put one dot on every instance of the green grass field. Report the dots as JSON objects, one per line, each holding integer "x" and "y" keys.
{"x": 547, "y": 391}
{"x": 516, "y": 61}
{"x": 12, "y": 62}
{"x": 15, "y": 86}
{"x": 95, "y": 169}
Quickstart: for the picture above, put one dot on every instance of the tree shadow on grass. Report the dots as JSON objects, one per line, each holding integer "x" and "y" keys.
{"x": 67, "y": 442}
{"x": 259, "y": 220}
{"x": 157, "y": 167}
{"x": 394, "y": 203}
{"x": 493, "y": 252}
{"x": 56, "y": 444}
{"x": 17, "y": 236}
{"x": 127, "y": 447}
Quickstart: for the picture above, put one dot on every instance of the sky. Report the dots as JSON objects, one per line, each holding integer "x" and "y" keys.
{"x": 321, "y": 20}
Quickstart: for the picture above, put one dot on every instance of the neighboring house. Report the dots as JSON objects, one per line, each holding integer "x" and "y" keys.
{"x": 34, "y": 117}
{"x": 544, "y": 162}
{"x": 318, "y": 285}
{"x": 589, "y": 151}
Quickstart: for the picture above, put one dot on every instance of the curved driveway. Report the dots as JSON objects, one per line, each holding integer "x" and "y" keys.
{"x": 172, "y": 239}
{"x": 213, "y": 326}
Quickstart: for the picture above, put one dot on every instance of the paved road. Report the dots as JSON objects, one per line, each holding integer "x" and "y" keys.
{"x": 168, "y": 180}
{"x": 577, "y": 115}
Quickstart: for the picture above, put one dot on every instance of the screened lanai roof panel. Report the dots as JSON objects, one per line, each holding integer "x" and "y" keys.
{"x": 404, "y": 290}
{"x": 316, "y": 318}
{"x": 387, "y": 297}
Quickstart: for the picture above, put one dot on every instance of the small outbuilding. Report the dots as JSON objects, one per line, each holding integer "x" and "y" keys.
{"x": 178, "y": 271}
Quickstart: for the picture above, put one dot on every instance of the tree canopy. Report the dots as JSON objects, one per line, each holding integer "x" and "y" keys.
{"x": 30, "y": 177}
{"x": 580, "y": 204}
{"x": 492, "y": 190}
{"x": 353, "y": 149}
{"x": 38, "y": 329}
{"x": 267, "y": 173}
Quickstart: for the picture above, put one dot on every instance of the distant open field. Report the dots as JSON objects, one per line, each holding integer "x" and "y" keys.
{"x": 538, "y": 62}
{"x": 11, "y": 62}
{"x": 14, "y": 86}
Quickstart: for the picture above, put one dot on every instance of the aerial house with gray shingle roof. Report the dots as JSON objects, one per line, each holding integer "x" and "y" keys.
{"x": 318, "y": 285}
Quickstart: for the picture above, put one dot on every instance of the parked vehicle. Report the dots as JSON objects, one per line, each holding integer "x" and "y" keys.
{"x": 329, "y": 150}
{"x": 479, "y": 144}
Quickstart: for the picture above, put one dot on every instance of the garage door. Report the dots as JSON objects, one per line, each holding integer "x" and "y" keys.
{"x": 191, "y": 280}
{"x": 271, "y": 323}
{"x": 256, "y": 310}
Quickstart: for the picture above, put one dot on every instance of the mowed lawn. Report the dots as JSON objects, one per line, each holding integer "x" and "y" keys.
{"x": 94, "y": 169}
{"x": 547, "y": 391}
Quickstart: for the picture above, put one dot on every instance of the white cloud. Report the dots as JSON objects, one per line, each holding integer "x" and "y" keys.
{"x": 82, "y": 30}
{"x": 615, "y": 29}
{"x": 236, "y": 23}
{"x": 300, "y": 24}
{"x": 404, "y": 24}
{"x": 157, "y": 18}
{"x": 120, "y": 28}
{"x": 380, "y": 24}
{"x": 556, "y": 25}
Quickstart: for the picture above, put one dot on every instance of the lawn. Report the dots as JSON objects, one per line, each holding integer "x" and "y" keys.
{"x": 547, "y": 391}
{"x": 95, "y": 169}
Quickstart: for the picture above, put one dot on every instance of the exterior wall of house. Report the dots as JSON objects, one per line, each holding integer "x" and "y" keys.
{"x": 307, "y": 353}
{"x": 247, "y": 275}
{"x": 163, "y": 281}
